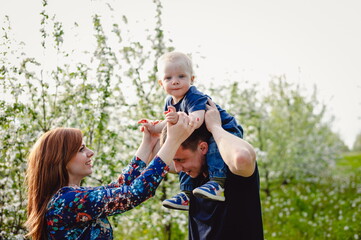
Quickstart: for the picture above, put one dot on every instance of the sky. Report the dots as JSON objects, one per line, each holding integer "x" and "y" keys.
{"x": 312, "y": 43}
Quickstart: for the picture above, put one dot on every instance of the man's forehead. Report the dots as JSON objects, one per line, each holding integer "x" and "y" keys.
{"x": 182, "y": 153}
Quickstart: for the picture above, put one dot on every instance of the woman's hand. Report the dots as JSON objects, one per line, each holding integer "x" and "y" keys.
{"x": 151, "y": 126}
{"x": 150, "y": 137}
{"x": 150, "y": 141}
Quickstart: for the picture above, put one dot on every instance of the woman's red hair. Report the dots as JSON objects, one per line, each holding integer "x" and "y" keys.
{"x": 47, "y": 173}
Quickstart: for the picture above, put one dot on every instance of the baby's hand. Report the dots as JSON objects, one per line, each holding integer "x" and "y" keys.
{"x": 171, "y": 115}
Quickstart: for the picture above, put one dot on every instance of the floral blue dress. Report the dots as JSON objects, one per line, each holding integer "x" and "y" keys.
{"x": 81, "y": 212}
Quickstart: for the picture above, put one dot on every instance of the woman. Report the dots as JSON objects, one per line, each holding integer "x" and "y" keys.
{"x": 58, "y": 208}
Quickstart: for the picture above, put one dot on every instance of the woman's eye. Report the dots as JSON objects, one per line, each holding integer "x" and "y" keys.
{"x": 81, "y": 149}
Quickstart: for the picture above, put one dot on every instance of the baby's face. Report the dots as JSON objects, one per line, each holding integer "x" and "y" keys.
{"x": 175, "y": 79}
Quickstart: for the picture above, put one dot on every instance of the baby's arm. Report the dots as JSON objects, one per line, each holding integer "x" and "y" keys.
{"x": 155, "y": 127}
{"x": 198, "y": 115}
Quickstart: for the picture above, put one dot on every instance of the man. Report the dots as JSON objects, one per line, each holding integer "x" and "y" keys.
{"x": 239, "y": 217}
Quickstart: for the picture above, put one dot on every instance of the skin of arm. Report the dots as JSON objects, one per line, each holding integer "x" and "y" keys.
{"x": 198, "y": 115}
{"x": 159, "y": 126}
{"x": 152, "y": 130}
{"x": 238, "y": 154}
{"x": 177, "y": 134}
{"x": 146, "y": 148}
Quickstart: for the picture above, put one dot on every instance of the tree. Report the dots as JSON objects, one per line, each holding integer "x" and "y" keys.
{"x": 90, "y": 93}
{"x": 113, "y": 85}
{"x": 293, "y": 139}
{"x": 357, "y": 144}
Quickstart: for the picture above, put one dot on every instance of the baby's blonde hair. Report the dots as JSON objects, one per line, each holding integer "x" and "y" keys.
{"x": 173, "y": 57}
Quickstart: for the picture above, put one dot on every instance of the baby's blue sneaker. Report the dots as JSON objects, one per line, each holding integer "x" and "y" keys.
{"x": 211, "y": 190}
{"x": 179, "y": 202}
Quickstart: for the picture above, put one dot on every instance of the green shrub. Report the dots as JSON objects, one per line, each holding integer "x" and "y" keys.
{"x": 326, "y": 207}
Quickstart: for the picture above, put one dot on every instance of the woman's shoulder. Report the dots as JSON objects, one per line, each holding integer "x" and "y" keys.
{"x": 66, "y": 193}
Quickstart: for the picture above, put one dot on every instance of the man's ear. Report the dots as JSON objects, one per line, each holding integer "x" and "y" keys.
{"x": 203, "y": 146}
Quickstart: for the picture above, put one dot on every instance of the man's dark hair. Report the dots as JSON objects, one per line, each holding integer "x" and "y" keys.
{"x": 201, "y": 134}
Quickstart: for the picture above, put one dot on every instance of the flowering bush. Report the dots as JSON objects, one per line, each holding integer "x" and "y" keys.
{"x": 108, "y": 90}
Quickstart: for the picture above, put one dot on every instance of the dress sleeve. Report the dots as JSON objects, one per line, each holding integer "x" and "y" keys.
{"x": 129, "y": 173}
{"x": 85, "y": 204}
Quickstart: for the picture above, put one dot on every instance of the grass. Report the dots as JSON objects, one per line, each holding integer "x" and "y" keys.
{"x": 350, "y": 160}
{"x": 328, "y": 207}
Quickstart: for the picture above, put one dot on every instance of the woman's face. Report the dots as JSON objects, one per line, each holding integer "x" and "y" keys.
{"x": 80, "y": 165}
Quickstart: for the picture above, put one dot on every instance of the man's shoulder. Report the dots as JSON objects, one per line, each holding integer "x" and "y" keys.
{"x": 236, "y": 177}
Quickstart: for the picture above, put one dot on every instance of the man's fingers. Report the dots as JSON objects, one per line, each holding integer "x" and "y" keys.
{"x": 211, "y": 103}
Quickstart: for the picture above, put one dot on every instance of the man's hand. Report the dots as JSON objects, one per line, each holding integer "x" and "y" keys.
{"x": 212, "y": 116}
{"x": 238, "y": 154}
{"x": 176, "y": 134}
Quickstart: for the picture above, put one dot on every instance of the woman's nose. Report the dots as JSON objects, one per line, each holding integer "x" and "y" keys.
{"x": 90, "y": 153}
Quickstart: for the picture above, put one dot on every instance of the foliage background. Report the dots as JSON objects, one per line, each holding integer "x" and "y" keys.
{"x": 310, "y": 189}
